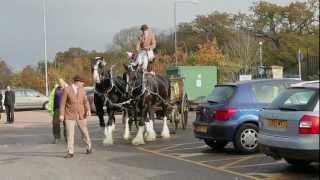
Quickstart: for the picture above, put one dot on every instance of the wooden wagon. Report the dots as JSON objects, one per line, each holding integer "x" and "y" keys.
{"x": 179, "y": 104}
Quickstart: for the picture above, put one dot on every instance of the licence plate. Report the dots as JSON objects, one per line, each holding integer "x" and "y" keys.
{"x": 276, "y": 123}
{"x": 201, "y": 129}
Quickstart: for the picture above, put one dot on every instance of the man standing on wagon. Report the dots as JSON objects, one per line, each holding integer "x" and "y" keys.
{"x": 145, "y": 47}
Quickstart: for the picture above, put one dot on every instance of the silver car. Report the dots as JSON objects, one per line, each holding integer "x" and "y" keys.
{"x": 30, "y": 99}
{"x": 289, "y": 127}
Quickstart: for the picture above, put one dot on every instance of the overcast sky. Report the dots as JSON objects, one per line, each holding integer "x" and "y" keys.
{"x": 89, "y": 24}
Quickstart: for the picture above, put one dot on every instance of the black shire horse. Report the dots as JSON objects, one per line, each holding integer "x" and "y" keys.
{"x": 148, "y": 91}
{"x": 112, "y": 92}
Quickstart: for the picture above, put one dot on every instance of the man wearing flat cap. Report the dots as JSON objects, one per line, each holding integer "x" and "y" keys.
{"x": 74, "y": 109}
{"x": 145, "y": 47}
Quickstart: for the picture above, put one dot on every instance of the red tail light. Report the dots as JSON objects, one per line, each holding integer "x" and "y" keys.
{"x": 225, "y": 114}
{"x": 309, "y": 125}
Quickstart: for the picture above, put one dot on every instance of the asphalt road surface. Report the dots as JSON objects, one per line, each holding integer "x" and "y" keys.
{"x": 26, "y": 153}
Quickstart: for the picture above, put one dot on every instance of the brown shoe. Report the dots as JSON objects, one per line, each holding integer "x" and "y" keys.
{"x": 68, "y": 156}
{"x": 89, "y": 151}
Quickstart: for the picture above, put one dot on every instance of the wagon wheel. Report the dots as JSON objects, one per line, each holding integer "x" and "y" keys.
{"x": 174, "y": 119}
{"x": 184, "y": 111}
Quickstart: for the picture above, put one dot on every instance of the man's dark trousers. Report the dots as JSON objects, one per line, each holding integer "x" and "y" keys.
{"x": 10, "y": 113}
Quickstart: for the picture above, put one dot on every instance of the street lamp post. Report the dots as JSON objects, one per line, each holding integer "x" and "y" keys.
{"x": 175, "y": 25}
{"x": 261, "y": 70}
{"x": 260, "y": 52}
{"x": 45, "y": 46}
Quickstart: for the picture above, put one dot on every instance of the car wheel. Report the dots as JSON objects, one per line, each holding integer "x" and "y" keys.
{"x": 45, "y": 106}
{"x": 298, "y": 163}
{"x": 215, "y": 144}
{"x": 246, "y": 139}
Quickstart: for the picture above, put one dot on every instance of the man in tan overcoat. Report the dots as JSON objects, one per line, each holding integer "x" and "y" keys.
{"x": 74, "y": 109}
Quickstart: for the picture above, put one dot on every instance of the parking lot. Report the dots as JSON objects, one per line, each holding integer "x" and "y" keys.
{"x": 25, "y": 146}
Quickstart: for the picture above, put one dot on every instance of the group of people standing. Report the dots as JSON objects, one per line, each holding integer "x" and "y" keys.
{"x": 69, "y": 105}
{"x": 8, "y": 104}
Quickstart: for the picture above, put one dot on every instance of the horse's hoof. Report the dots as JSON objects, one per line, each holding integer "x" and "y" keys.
{"x": 126, "y": 137}
{"x": 145, "y": 134}
{"x": 151, "y": 137}
{"x": 165, "y": 135}
{"x": 107, "y": 142}
{"x": 137, "y": 142}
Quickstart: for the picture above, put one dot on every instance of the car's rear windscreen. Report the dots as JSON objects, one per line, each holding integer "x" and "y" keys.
{"x": 296, "y": 99}
{"x": 221, "y": 93}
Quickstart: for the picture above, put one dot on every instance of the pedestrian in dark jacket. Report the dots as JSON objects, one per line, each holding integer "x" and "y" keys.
{"x": 54, "y": 106}
{"x": 1, "y": 105}
{"x": 9, "y": 102}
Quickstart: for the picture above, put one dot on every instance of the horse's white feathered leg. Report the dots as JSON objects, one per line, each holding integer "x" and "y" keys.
{"x": 108, "y": 140}
{"x": 151, "y": 134}
{"x": 126, "y": 134}
{"x": 113, "y": 126}
{"x": 138, "y": 140}
{"x": 165, "y": 130}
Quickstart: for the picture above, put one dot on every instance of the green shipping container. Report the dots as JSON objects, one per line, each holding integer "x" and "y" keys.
{"x": 198, "y": 80}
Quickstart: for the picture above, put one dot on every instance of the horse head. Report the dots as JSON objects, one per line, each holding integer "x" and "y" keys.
{"x": 98, "y": 68}
{"x": 135, "y": 75}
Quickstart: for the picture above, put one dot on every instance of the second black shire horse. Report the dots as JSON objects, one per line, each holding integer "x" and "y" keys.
{"x": 148, "y": 92}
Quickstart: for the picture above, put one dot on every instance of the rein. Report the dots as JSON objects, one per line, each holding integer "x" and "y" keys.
{"x": 147, "y": 90}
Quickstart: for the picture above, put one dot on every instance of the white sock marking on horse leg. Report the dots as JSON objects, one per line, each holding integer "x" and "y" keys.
{"x": 108, "y": 140}
{"x": 145, "y": 134}
{"x": 138, "y": 140}
{"x": 165, "y": 130}
{"x": 151, "y": 134}
{"x": 146, "y": 126}
{"x": 113, "y": 126}
{"x": 126, "y": 134}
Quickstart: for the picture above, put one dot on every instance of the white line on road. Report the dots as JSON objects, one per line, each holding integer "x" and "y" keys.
{"x": 198, "y": 163}
{"x": 262, "y": 164}
{"x": 217, "y": 160}
{"x": 178, "y": 145}
{"x": 180, "y": 149}
{"x": 186, "y": 155}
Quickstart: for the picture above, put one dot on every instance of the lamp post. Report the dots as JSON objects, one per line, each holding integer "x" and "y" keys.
{"x": 260, "y": 52}
{"x": 261, "y": 70}
{"x": 175, "y": 25}
{"x": 45, "y": 46}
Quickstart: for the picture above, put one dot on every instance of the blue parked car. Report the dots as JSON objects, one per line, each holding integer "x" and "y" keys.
{"x": 232, "y": 110}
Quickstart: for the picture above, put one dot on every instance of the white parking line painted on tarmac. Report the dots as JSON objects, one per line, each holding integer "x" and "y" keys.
{"x": 186, "y": 155}
{"x": 233, "y": 158}
{"x": 178, "y": 145}
{"x": 198, "y": 163}
{"x": 238, "y": 161}
{"x": 180, "y": 149}
{"x": 217, "y": 160}
{"x": 262, "y": 164}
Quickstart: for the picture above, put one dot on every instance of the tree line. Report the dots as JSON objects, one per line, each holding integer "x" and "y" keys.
{"x": 229, "y": 41}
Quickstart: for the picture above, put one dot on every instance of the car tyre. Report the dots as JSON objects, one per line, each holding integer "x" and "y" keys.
{"x": 246, "y": 139}
{"x": 45, "y": 106}
{"x": 215, "y": 144}
{"x": 298, "y": 163}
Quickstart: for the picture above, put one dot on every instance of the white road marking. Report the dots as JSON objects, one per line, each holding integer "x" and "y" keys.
{"x": 180, "y": 149}
{"x": 262, "y": 164}
{"x": 217, "y": 160}
{"x": 186, "y": 155}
